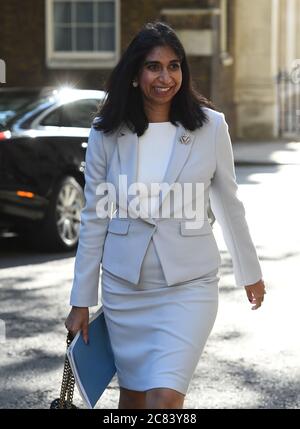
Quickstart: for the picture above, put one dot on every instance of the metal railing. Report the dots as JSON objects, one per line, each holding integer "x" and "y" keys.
{"x": 288, "y": 90}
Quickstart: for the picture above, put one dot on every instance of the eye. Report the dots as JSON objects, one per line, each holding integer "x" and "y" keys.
{"x": 175, "y": 66}
{"x": 153, "y": 67}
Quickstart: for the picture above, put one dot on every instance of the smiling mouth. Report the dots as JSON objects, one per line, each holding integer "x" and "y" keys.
{"x": 162, "y": 90}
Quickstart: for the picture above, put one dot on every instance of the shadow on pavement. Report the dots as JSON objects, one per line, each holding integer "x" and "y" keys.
{"x": 247, "y": 170}
{"x": 14, "y": 253}
{"x": 271, "y": 390}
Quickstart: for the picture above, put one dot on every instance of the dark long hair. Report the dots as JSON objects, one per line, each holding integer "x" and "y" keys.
{"x": 124, "y": 103}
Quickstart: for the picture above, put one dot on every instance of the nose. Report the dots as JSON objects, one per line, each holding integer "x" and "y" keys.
{"x": 165, "y": 76}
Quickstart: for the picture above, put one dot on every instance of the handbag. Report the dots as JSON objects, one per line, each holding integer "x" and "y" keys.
{"x": 65, "y": 401}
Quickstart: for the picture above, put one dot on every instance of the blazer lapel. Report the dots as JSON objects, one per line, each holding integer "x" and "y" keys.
{"x": 128, "y": 156}
{"x": 182, "y": 146}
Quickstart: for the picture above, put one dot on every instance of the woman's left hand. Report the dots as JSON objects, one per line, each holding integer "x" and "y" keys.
{"x": 255, "y": 293}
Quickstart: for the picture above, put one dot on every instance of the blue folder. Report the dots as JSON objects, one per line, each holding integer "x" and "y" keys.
{"x": 92, "y": 364}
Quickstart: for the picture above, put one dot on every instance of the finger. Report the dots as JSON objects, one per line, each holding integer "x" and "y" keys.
{"x": 85, "y": 334}
{"x": 67, "y": 327}
{"x": 256, "y": 307}
{"x": 249, "y": 295}
{"x": 257, "y": 303}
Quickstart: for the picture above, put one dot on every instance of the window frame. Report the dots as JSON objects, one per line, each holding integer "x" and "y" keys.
{"x": 78, "y": 59}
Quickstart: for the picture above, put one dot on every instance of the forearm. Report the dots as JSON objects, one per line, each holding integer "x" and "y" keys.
{"x": 230, "y": 212}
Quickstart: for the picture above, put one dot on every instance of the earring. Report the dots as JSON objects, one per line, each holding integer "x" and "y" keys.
{"x": 134, "y": 83}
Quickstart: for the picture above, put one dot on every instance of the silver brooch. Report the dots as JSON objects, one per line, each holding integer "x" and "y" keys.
{"x": 185, "y": 139}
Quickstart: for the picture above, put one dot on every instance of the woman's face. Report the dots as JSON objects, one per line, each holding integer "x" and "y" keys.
{"x": 160, "y": 77}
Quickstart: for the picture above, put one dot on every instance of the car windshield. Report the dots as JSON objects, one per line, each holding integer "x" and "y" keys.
{"x": 15, "y": 104}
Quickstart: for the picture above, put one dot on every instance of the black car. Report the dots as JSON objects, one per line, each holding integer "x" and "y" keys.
{"x": 43, "y": 139}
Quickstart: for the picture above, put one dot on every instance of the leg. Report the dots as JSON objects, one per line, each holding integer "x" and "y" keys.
{"x": 131, "y": 399}
{"x": 163, "y": 398}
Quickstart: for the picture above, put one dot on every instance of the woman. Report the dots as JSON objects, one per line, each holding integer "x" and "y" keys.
{"x": 159, "y": 272}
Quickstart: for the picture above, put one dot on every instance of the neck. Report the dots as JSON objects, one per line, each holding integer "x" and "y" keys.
{"x": 157, "y": 113}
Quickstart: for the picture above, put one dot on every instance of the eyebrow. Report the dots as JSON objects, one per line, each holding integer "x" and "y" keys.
{"x": 146, "y": 63}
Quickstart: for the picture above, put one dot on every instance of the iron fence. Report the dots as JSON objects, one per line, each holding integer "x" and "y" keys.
{"x": 288, "y": 90}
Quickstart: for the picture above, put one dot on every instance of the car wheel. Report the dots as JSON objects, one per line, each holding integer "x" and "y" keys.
{"x": 60, "y": 229}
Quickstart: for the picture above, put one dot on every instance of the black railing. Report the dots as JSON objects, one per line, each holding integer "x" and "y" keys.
{"x": 288, "y": 90}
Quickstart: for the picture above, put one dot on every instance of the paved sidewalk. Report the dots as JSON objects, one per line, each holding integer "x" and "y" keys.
{"x": 267, "y": 153}
{"x": 251, "y": 359}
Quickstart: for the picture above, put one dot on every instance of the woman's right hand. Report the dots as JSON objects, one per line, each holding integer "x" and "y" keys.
{"x": 78, "y": 319}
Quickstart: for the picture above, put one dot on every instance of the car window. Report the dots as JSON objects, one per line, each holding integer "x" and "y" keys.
{"x": 14, "y": 104}
{"x": 76, "y": 114}
{"x": 13, "y": 101}
{"x": 54, "y": 118}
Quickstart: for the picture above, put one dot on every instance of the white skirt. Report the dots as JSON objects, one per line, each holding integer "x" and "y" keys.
{"x": 158, "y": 332}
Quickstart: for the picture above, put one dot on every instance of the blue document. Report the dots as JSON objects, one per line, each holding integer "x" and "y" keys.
{"x": 92, "y": 364}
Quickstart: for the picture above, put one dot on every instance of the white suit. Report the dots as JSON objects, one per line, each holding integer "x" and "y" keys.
{"x": 185, "y": 251}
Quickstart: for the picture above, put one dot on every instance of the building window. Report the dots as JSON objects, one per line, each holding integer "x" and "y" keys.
{"x": 82, "y": 33}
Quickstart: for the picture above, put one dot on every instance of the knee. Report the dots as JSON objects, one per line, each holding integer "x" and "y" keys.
{"x": 164, "y": 399}
{"x": 131, "y": 400}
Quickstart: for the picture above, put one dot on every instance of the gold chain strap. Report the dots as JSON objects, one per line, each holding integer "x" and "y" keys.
{"x": 68, "y": 383}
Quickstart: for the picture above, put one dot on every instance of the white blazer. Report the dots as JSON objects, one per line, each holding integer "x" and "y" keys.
{"x": 186, "y": 248}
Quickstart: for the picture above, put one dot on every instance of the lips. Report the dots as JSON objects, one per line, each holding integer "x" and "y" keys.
{"x": 162, "y": 90}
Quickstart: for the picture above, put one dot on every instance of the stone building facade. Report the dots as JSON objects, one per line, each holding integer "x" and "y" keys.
{"x": 235, "y": 48}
